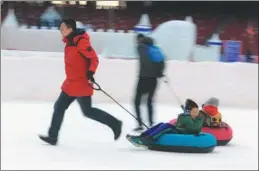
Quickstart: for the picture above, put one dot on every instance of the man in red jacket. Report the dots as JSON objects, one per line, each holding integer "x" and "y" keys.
{"x": 81, "y": 63}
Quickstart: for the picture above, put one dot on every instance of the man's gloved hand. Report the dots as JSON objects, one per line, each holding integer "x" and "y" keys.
{"x": 90, "y": 76}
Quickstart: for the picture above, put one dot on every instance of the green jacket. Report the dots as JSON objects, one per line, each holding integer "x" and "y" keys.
{"x": 188, "y": 125}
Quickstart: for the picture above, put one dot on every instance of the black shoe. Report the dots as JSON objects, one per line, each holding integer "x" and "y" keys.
{"x": 49, "y": 140}
{"x": 128, "y": 136}
{"x": 140, "y": 128}
{"x": 135, "y": 140}
{"x": 117, "y": 130}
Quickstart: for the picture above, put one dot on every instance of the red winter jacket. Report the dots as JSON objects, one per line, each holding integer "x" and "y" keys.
{"x": 80, "y": 57}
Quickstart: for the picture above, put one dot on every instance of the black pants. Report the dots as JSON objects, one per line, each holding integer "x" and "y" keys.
{"x": 145, "y": 86}
{"x": 64, "y": 101}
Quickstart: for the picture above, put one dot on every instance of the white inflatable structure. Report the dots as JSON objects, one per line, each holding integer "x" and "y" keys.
{"x": 10, "y": 21}
{"x": 144, "y": 26}
{"x": 173, "y": 35}
{"x": 50, "y": 14}
{"x": 176, "y": 38}
{"x": 80, "y": 25}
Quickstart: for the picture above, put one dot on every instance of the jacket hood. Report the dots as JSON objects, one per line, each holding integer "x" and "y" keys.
{"x": 147, "y": 41}
{"x": 78, "y": 32}
{"x": 210, "y": 110}
{"x": 75, "y": 35}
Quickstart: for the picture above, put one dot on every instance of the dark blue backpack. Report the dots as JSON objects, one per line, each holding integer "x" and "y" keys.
{"x": 155, "y": 54}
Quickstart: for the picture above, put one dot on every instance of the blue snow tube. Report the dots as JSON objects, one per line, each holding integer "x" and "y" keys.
{"x": 185, "y": 143}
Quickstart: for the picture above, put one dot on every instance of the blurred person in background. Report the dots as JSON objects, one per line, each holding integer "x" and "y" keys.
{"x": 149, "y": 71}
{"x": 81, "y": 63}
{"x": 249, "y": 56}
{"x": 251, "y": 41}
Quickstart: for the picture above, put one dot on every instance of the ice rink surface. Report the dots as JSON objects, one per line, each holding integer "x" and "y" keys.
{"x": 85, "y": 144}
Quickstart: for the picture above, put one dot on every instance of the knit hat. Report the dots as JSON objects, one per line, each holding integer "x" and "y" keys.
{"x": 212, "y": 101}
{"x": 189, "y": 104}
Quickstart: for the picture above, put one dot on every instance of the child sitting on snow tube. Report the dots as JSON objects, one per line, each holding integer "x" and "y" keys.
{"x": 188, "y": 122}
{"x": 212, "y": 117}
{"x": 210, "y": 113}
{"x": 213, "y": 123}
